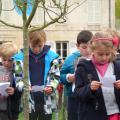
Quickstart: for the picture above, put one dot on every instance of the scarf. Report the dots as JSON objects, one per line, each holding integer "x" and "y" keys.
{"x": 100, "y": 67}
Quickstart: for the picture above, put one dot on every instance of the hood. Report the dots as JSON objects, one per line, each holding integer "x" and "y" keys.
{"x": 77, "y": 54}
{"x": 18, "y": 56}
{"x": 41, "y": 54}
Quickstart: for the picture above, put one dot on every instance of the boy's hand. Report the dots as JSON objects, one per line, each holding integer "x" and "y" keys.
{"x": 71, "y": 77}
{"x": 30, "y": 88}
{"x": 48, "y": 90}
{"x": 10, "y": 90}
{"x": 117, "y": 84}
{"x": 95, "y": 85}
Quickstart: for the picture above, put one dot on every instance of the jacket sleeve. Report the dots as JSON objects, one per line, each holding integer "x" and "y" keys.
{"x": 82, "y": 89}
{"x": 66, "y": 69}
{"x": 54, "y": 74}
{"x": 18, "y": 75}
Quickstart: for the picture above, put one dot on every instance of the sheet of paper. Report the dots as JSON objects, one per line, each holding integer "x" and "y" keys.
{"x": 37, "y": 88}
{"x": 3, "y": 87}
{"x": 108, "y": 81}
{"x": 73, "y": 87}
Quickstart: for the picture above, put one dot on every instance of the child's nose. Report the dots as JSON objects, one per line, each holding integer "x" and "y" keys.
{"x": 104, "y": 57}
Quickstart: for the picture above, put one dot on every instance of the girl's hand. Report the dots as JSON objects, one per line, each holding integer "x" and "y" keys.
{"x": 95, "y": 85}
{"x": 48, "y": 90}
{"x": 117, "y": 84}
{"x": 10, "y": 90}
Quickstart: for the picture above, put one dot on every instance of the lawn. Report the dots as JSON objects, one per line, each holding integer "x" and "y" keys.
{"x": 62, "y": 112}
{"x": 60, "y": 116}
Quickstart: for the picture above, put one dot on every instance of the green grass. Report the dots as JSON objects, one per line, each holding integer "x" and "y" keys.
{"x": 20, "y": 116}
{"x": 62, "y": 112}
{"x": 61, "y": 115}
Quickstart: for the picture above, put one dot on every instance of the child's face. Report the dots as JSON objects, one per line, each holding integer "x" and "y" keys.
{"x": 84, "y": 50}
{"x": 7, "y": 62}
{"x": 102, "y": 54}
{"x": 37, "y": 48}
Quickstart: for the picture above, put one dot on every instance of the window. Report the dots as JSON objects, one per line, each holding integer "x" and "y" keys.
{"x": 94, "y": 11}
{"x": 62, "y": 49}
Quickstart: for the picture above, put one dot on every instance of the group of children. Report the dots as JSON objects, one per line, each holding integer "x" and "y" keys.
{"x": 90, "y": 75}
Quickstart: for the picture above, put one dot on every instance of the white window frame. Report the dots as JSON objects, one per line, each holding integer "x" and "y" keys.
{"x": 61, "y": 48}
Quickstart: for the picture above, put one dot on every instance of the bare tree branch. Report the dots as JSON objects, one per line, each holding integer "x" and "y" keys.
{"x": 43, "y": 26}
{"x": 63, "y": 20}
{"x": 10, "y": 25}
{"x": 24, "y": 13}
{"x": 8, "y": 9}
{"x": 0, "y": 7}
{"x": 51, "y": 22}
{"x": 49, "y": 10}
{"x": 56, "y": 4}
{"x": 48, "y": 14}
{"x": 32, "y": 13}
{"x": 78, "y": 5}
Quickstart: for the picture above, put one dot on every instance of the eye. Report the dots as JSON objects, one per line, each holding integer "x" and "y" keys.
{"x": 100, "y": 54}
{"x": 9, "y": 60}
{"x": 40, "y": 46}
{"x": 107, "y": 54}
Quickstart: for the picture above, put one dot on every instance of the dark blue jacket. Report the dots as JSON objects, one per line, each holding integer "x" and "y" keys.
{"x": 49, "y": 57}
{"x": 13, "y": 103}
{"x": 91, "y": 104}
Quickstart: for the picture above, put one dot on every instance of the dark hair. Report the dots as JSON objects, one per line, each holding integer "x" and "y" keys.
{"x": 84, "y": 36}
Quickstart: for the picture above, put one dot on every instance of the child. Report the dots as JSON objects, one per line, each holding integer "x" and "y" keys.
{"x": 67, "y": 76}
{"x": 116, "y": 38}
{"x": 98, "y": 81}
{"x": 44, "y": 73}
{"x": 9, "y": 100}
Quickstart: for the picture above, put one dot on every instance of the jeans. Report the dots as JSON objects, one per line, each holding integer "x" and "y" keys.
{"x": 3, "y": 116}
{"x": 72, "y": 108}
{"x": 40, "y": 115}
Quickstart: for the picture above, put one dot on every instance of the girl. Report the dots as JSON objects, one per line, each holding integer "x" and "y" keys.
{"x": 98, "y": 81}
{"x": 115, "y": 35}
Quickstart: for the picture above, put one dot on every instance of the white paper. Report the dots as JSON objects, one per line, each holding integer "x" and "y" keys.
{"x": 3, "y": 87}
{"x": 73, "y": 87}
{"x": 37, "y": 88}
{"x": 108, "y": 81}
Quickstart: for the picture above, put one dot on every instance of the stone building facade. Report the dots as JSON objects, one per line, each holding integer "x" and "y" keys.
{"x": 94, "y": 15}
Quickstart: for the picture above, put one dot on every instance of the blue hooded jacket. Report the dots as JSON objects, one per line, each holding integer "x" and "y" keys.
{"x": 49, "y": 57}
{"x": 69, "y": 68}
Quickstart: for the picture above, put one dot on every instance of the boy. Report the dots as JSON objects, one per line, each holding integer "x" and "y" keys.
{"x": 9, "y": 76}
{"x": 44, "y": 73}
{"x": 67, "y": 76}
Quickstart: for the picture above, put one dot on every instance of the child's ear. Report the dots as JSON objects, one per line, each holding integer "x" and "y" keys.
{"x": 77, "y": 45}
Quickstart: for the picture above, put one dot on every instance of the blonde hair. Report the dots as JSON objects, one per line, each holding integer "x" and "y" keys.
{"x": 114, "y": 34}
{"x": 8, "y": 50}
{"x": 103, "y": 39}
{"x": 37, "y": 37}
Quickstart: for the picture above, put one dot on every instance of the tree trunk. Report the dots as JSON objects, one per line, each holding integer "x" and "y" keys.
{"x": 0, "y": 7}
{"x": 26, "y": 80}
